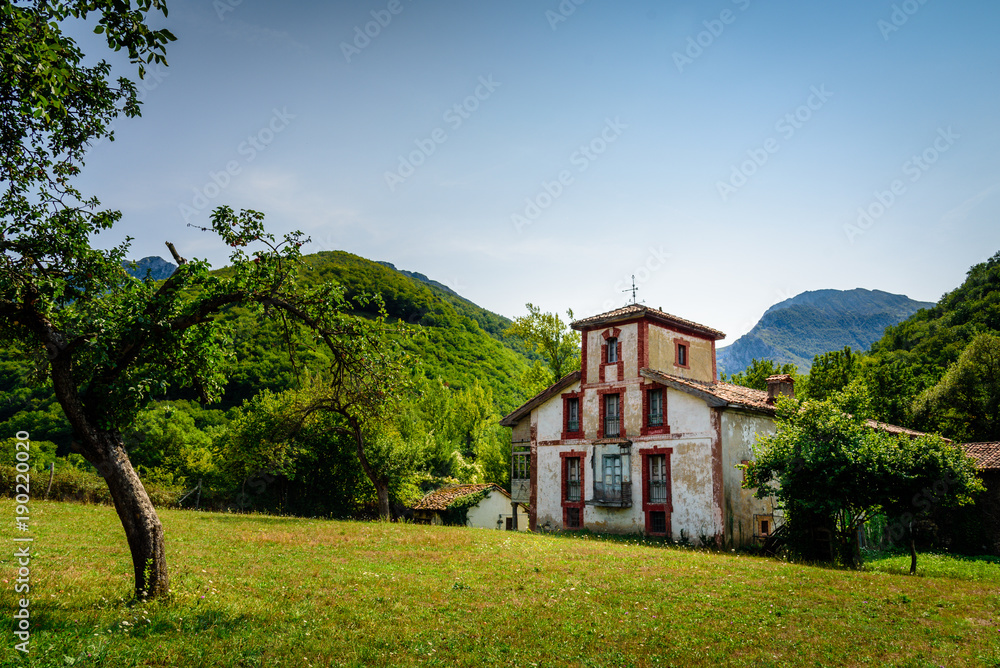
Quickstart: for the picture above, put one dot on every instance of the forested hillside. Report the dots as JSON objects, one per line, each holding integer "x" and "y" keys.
{"x": 796, "y": 330}
{"x": 464, "y": 374}
{"x": 938, "y": 370}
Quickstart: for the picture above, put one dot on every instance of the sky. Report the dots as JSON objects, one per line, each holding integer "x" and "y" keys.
{"x": 728, "y": 154}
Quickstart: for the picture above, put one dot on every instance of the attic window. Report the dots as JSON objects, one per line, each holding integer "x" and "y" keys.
{"x": 681, "y": 350}
{"x": 612, "y": 350}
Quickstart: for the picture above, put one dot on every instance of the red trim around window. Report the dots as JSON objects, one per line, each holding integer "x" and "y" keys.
{"x": 563, "y": 456}
{"x": 620, "y": 364}
{"x": 647, "y": 507}
{"x": 620, "y": 391}
{"x": 687, "y": 353}
{"x": 646, "y": 429}
{"x": 566, "y": 433}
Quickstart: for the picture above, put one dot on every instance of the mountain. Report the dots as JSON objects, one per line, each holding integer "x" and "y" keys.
{"x": 158, "y": 268}
{"x": 816, "y": 322}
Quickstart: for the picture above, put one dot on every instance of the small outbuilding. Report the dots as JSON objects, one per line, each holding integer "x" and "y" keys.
{"x": 486, "y": 506}
{"x": 986, "y": 517}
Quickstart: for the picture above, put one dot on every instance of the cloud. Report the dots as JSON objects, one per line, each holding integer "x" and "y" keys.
{"x": 960, "y": 212}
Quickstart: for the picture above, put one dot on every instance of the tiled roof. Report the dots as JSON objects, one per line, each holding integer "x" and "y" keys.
{"x": 715, "y": 394}
{"x": 524, "y": 409}
{"x": 895, "y": 429}
{"x": 442, "y": 498}
{"x": 987, "y": 455}
{"x": 780, "y": 378}
{"x": 633, "y": 311}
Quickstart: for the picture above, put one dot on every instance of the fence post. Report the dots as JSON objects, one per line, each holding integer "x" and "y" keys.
{"x": 52, "y": 472}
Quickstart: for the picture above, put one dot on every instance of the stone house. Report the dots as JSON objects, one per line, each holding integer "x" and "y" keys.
{"x": 643, "y": 438}
{"x": 485, "y": 506}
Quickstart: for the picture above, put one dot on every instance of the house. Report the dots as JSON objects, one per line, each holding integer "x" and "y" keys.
{"x": 483, "y": 506}
{"x": 987, "y": 508}
{"x": 643, "y": 438}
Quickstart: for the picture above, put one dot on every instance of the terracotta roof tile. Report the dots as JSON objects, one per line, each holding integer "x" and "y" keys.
{"x": 716, "y": 394}
{"x": 987, "y": 455}
{"x": 442, "y": 498}
{"x": 639, "y": 310}
{"x": 895, "y": 429}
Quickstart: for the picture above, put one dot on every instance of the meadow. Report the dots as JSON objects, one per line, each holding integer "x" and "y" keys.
{"x": 257, "y": 590}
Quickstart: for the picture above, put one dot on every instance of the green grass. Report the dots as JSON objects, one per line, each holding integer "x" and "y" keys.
{"x": 270, "y": 591}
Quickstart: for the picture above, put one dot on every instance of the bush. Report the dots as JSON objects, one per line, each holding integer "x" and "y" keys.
{"x": 70, "y": 484}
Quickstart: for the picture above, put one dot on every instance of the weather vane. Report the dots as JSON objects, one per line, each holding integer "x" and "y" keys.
{"x": 633, "y": 289}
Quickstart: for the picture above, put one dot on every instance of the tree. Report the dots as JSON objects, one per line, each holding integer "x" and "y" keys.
{"x": 831, "y": 372}
{"x": 830, "y": 471}
{"x": 364, "y": 397}
{"x": 755, "y": 376}
{"x": 557, "y": 344}
{"x": 926, "y": 473}
{"x": 105, "y": 340}
{"x": 965, "y": 403}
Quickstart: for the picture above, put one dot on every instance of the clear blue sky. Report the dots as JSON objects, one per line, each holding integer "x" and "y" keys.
{"x": 622, "y": 122}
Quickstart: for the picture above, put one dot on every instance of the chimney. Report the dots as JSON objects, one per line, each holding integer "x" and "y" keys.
{"x": 780, "y": 386}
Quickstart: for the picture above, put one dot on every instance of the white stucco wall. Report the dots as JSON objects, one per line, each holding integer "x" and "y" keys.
{"x": 739, "y": 432}
{"x": 492, "y": 507}
{"x": 548, "y": 418}
{"x": 691, "y": 467}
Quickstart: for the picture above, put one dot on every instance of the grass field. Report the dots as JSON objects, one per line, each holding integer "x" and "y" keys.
{"x": 269, "y": 591}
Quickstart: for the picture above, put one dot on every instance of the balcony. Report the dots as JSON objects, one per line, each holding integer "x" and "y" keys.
{"x": 612, "y": 496}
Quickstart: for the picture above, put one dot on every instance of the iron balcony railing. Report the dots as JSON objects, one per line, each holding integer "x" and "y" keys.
{"x": 619, "y": 495}
{"x": 657, "y": 492}
{"x": 573, "y": 490}
{"x": 612, "y": 426}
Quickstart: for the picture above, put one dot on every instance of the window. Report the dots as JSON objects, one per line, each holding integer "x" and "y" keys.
{"x": 573, "y": 518}
{"x": 521, "y": 465}
{"x": 682, "y": 355}
{"x": 612, "y": 482}
{"x": 612, "y": 420}
{"x": 612, "y": 350}
{"x": 655, "y": 416}
{"x": 573, "y": 414}
{"x": 573, "y": 491}
{"x": 764, "y": 528}
{"x": 657, "y": 478}
{"x": 612, "y": 467}
{"x": 656, "y": 494}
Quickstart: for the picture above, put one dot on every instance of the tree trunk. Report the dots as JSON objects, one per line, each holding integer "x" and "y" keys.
{"x": 137, "y": 514}
{"x": 380, "y": 482}
{"x": 105, "y": 449}
{"x": 383, "y": 500}
{"x": 913, "y": 552}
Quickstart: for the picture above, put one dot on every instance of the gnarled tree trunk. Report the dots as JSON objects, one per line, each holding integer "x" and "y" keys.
{"x": 136, "y": 512}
